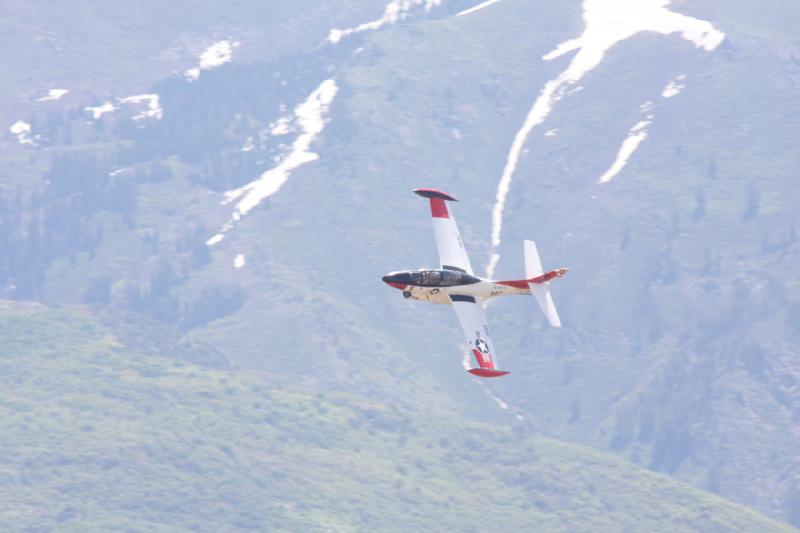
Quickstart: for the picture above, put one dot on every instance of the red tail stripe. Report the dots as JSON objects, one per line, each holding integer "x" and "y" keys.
{"x": 517, "y": 283}
{"x": 523, "y": 283}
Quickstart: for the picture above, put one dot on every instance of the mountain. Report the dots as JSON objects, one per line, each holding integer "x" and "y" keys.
{"x": 107, "y": 432}
{"x": 245, "y": 213}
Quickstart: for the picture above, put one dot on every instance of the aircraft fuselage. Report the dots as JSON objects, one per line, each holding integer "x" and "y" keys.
{"x": 442, "y": 286}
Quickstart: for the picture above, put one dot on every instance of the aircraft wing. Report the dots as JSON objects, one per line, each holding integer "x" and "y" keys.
{"x": 472, "y": 318}
{"x": 452, "y": 254}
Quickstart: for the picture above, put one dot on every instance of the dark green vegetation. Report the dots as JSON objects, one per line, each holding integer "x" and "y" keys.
{"x": 682, "y": 310}
{"x": 104, "y": 434}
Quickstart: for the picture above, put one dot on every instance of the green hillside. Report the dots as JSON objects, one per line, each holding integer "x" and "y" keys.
{"x": 103, "y": 435}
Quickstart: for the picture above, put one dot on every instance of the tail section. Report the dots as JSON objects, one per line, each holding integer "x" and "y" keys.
{"x": 539, "y": 282}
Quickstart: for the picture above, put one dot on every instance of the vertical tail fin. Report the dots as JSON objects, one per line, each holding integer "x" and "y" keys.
{"x": 533, "y": 266}
{"x": 533, "y": 269}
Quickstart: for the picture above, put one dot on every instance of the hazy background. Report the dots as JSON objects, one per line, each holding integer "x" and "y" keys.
{"x": 156, "y": 377}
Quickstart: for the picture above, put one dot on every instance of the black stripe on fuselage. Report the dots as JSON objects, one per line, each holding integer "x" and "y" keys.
{"x": 449, "y": 267}
{"x": 462, "y": 298}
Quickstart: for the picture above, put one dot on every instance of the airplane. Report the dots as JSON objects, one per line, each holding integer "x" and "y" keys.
{"x": 456, "y": 284}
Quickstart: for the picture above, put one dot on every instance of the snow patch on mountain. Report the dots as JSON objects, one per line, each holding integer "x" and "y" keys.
{"x": 636, "y": 135}
{"x": 53, "y": 95}
{"x": 478, "y": 7}
{"x": 217, "y": 54}
{"x": 153, "y": 109}
{"x": 22, "y": 131}
{"x": 394, "y": 12}
{"x": 100, "y": 110}
{"x": 310, "y": 117}
{"x": 280, "y": 126}
{"x": 118, "y": 171}
{"x": 607, "y": 22}
{"x": 248, "y": 146}
{"x": 674, "y": 87}
{"x": 215, "y": 239}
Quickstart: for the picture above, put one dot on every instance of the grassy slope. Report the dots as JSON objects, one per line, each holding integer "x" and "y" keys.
{"x": 100, "y": 436}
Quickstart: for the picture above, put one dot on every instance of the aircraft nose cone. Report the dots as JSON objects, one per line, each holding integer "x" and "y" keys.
{"x": 395, "y": 280}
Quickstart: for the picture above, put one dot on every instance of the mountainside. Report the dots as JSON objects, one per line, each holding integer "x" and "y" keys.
{"x": 109, "y": 435}
{"x": 234, "y": 183}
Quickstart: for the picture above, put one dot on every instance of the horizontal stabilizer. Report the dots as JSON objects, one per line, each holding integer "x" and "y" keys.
{"x": 486, "y": 372}
{"x": 545, "y": 301}
{"x": 435, "y": 193}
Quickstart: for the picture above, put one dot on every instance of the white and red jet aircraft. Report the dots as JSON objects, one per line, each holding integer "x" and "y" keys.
{"x": 457, "y": 285}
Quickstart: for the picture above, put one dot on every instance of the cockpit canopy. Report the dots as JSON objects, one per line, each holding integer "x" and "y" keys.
{"x": 441, "y": 278}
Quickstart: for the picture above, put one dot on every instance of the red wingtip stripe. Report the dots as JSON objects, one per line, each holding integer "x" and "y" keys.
{"x": 484, "y": 360}
{"x": 439, "y": 208}
{"x": 487, "y": 373}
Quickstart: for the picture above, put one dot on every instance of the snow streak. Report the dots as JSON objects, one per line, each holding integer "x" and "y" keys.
{"x": 214, "y": 56}
{"x": 248, "y": 145}
{"x": 100, "y": 110}
{"x": 607, "y": 22}
{"x": 310, "y": 118}
{"x": 636, "y": 135}
{"x": 674, "y": 87}
{"x": 53, "y": 95}
{"x": 473, "y": 9}
{"x": 153, "y": 106}
{"x": 395, "y": 11}
{"x": 153, "y": 109}
{"x": 280, "y": 127}
{"x": 22, "y": 131}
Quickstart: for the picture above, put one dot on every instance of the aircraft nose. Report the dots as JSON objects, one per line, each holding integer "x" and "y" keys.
{"x": 395, "y": 280}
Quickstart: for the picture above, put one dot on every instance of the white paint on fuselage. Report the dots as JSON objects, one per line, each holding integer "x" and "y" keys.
{"x": 484, "y": 290}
